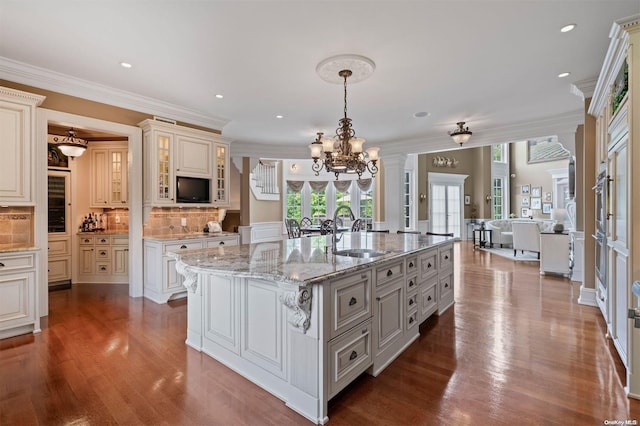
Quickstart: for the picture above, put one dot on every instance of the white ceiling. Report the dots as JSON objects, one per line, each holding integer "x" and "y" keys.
{"x": 493, "y": 64}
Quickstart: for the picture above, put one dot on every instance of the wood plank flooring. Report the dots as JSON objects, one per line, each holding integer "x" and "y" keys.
{"x": 515, "y": 349}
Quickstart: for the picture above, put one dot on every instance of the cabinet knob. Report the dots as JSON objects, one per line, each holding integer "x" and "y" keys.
{"x": 1, "y": 265}
{"x": 429, "y": 265}
{"x": 410, "y": 264}
{"x": 353, "y": 355}
{"x": 103, "y": 253}
{"x": 411, "y": 320}
{"x": 389, "y": 272}
{"x": 446, "y": 257}
{"x": 411, "y": 283}
{"x": 103, "y": 268}
{"x": 103, "y": 240}
{"x": 183, "y": 246}
{"x": 446, "y": 285}
{"x": 429, "y": 299}
{"x": 353, "y": 301}
{"x": 221, "y": 243}
{"x": 411, "y": 302}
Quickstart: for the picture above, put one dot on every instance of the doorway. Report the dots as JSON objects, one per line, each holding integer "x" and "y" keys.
{"x": 446, "y": 203}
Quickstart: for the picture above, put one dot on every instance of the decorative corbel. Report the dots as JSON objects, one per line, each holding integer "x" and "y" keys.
{"x": 190, "y": 277}
{"x": 299, "y": 303}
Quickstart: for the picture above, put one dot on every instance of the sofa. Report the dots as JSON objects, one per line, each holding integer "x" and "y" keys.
{"x": 498, "y": 226}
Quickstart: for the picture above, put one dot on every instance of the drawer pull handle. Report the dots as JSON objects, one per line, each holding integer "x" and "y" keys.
{"x": 103, "y": 268}
{"x": 183, "y": 246}
{"x": 353, "y": 356}
{"x": 1, "y": 265}
{"x": 410, "y": 264}
{"x": 446, "y": 285}
{"x": 411, "y": 283}
{"x": 103, "y": 253}
{"x": 86, "y": 240}
{"x": 429, "y": 299}
{"x": 446, "y": 257}
{"x": 411, "y": 302}
{"x": 103, "y": 240}
{"x": 353, "y": 301}
{"x": 126, "y": 249}
{"x": 411, "y": 320}
{"x": 221, "y": 243}
{"x": 389, "y": 272}
{"x": 429, "y": 265}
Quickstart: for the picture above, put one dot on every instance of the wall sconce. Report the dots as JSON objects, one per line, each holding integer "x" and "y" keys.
{"x": 422, "y": 197}
{"x": 488, "y": 199}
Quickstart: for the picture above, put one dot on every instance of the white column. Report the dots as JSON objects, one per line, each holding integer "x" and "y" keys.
{"x": 393, "y": 190}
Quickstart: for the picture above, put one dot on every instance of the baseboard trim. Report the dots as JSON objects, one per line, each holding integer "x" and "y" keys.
{"x": 587, "y": 296}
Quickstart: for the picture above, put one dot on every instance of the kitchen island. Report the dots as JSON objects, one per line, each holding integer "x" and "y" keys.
{"x": 303, "y": 323}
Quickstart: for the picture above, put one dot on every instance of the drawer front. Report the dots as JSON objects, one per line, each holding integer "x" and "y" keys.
{"x": 446, "y": 286}
{"x": 428, "y": 264}
{"x": 17, "y": 262}
{"x": 427, "y": 300}
{"x": 87, "y": 241}
{"x": 412, "y": 302}
{"x": 103, "y": 268}
{"x": 182, "y": 245}
{"x": 120, "y": 240}
{"x": 412, "y": 320}
{"x": 59, "y": 248}
{"x": 59, "y": 269}
{"x": 103, "y": 253}
{"x": 412, "y": 284}
{"x": 221, "y": 241}
{"x": 446, "y": 257}
{"x": 412, "y": 265}
{"x": 350, "y": 302}
{"x": 349, "y": 356}
{"x": 103, "y": 241}
{"x": 389, "y": 272}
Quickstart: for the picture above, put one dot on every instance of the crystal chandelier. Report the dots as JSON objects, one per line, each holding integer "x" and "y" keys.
{"x": 461, "y": 134}
{"x": 70, "y": 145}
{"x": 343, "y": 153}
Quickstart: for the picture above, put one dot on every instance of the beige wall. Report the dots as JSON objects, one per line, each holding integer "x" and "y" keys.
{"x": 536, "y": 174}
{"x": 266, "y": 211}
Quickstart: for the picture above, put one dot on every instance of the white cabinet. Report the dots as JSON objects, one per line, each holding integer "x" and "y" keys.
{"x": 104, "y": 258}
{"x": 161, "y": 280}
{"x": 17, "y": 138}
{"x": 554, "y": 253}
{"x": 172, "y": 150}
{"x": 108, "y": 175}
{"x": 18, "y": 298}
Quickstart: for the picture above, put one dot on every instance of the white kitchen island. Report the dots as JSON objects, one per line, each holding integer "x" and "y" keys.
{"x": 303, "y": 323}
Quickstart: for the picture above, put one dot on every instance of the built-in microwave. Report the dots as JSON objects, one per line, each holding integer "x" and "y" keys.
{"x": 193, "y": 190}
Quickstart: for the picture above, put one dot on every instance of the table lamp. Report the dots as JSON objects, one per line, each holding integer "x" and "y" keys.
{"x": 558, "y": 216}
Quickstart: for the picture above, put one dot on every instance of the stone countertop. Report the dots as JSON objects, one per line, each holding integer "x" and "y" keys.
{"x": 18, "y": 249}
{"x": 188, "y": 236}
{"x": 303, "y": 261}
{"x": 108, "y": 232}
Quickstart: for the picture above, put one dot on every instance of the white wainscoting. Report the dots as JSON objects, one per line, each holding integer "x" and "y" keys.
{"x": 265, "y": 231}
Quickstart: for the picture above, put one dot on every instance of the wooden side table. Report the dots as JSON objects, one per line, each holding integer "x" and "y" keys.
{"x": 481, "y": 235}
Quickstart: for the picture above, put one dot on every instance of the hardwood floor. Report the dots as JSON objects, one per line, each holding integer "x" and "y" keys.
{"x": 515, "y": 349}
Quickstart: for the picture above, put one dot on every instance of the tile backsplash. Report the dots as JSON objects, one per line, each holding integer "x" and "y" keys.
{"x": 163, "y": 221}
{"x": 16, "y": 227}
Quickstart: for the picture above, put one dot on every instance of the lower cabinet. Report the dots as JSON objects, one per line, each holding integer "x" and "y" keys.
{"x": 18, "y": 301}
{"x": 59, "y": 261}
{"x": 349, "y": 356}
{"x": 161, "y": 280}
{"x": 103, "y": 258}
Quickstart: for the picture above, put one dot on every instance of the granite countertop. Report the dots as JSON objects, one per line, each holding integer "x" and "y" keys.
{"x": 18, "y": 249}
{"x": 188, "y": 236}
{"x": 108, "y": 232}
{"x": 303, "y": 261}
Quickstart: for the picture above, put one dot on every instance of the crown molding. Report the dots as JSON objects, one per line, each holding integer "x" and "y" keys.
{"x": 30, "y": 75}
{"x": 584, "y": 88}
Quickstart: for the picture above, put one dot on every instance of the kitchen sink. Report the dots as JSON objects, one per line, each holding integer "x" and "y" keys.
{"x": 360, "y": 253}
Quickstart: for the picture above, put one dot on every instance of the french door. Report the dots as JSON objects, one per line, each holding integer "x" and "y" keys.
{"x": 446, "y": 203}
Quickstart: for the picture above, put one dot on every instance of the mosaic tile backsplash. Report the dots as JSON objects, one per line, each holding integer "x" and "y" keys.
{"x": 163, "y": 221}
{"x": 16, "y": 227}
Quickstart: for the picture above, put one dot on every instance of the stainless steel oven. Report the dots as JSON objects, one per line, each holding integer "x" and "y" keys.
{"x": 601, "y": 258}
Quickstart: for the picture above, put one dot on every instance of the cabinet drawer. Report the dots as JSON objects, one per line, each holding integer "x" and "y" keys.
{"x": 59, "y": 248}
{"x": 103, "y": 253}
{"x": 412, "y": 302}
{"x": 349, "y": 356}
{"x": 103, "y": 241}
{"x": 221, "y": 241}
{"x": 350, "y": 301}
{"x": 389, "y": 272}
{"x": 428, "y": 264}
{"x": 103, "y": 268}
{"x": 446, "y": 286}
{"x": 412, "y": 265}
{"x": 412, "y": 319}
{"x": 412, "y": 284}
{"x": 428, "y": 301}
{"x": 120, "y": 240}
{"x": 87, "y": 241}
{"x": 59, "y": 269}
{"x": 17, "y": 262}
{"x": 446, "y": 257}
{"x": 182, "y": 245}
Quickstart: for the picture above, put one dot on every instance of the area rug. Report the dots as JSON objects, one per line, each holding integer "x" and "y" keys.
{"x": 508, "y": 253}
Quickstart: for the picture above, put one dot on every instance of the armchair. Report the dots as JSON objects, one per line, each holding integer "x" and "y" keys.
{"x": 526, "y": 236}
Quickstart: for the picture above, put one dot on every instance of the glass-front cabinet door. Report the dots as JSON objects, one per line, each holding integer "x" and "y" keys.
{"x": 163, "y": 142}
{"x": 221, "y": 196}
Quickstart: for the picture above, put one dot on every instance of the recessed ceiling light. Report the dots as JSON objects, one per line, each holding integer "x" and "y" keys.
{"x": 125, "y": 64}
{"x": 567, "y": 28}
{"x": 219, "y": 96}
{"x": 279, "y": 116}
{"x": 421, "y": 114}
{"x": 564, "y": 74}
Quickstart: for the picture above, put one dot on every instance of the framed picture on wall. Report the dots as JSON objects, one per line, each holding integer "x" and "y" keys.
{"x": 524, "y": 202}
{"x": 467, "y": 200}
{"x": 525, "y": 189}
{"x": 547, "y": 197}
{"x": 546, "y": 208}
{"x": 536, "y": 203}
{"x": 525, "y": 212}
{"x": 536, "y": 191}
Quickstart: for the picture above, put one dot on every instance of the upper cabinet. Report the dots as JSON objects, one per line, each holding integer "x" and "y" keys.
{"x": 109, "y": 175}
{"x": 172, "y": 151}
{"x": 17, "y": 139}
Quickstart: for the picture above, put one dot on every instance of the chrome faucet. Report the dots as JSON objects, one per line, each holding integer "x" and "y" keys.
{"x": 334, "y": 236}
